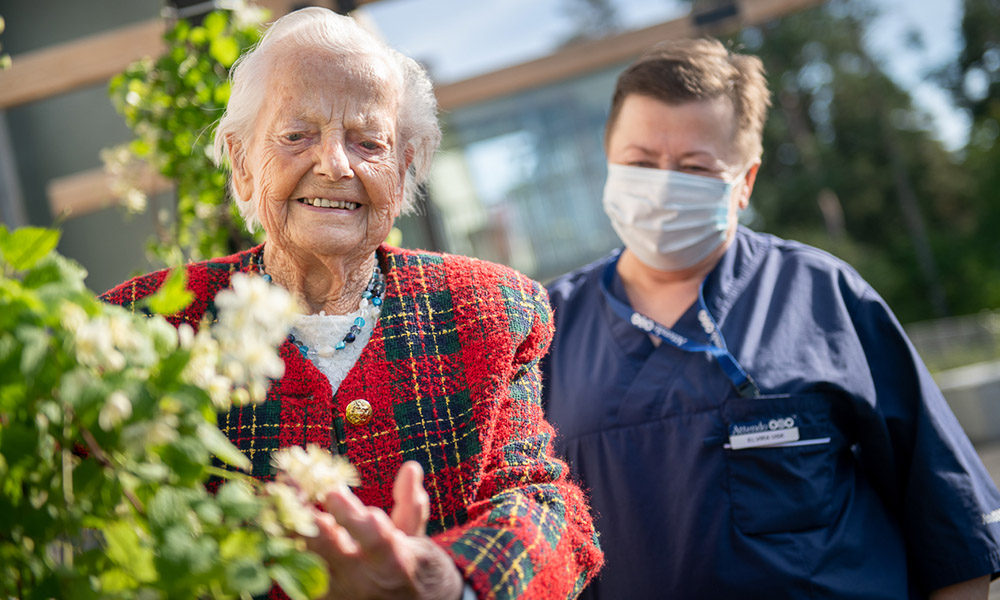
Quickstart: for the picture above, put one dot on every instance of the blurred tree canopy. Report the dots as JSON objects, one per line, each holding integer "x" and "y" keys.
{"x": 851, "y": 166}
{"x": 974, "y": 81}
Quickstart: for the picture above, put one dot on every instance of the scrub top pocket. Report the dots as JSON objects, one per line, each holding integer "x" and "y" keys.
{"x": 788, "y": 485}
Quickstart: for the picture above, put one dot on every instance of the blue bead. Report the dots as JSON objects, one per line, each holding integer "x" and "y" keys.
{"x": 360, "y": 322}
{"x": 366, "y": 294}
{"x": 304, "y": 351}
{"x": 266, "y": 277}
{"x": 340, "y": 346}
{"x": 355, "y": 329}
{"x": 349, "y": 338}
{"x": 377, "y": 301}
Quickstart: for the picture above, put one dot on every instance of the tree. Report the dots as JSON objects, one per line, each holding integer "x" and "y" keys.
{"x": 851, "y": 166}
{"x": 974, "y": 82}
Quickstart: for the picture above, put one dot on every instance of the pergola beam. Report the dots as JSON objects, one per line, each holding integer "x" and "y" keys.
{"x": 588, "y": 56}
{"x": 71, "y": 65}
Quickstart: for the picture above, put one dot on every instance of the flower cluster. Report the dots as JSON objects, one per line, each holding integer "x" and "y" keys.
{"x": 235, "y": 358}
{"x": 305, "y": 477}
{"x": 254, "y": 318}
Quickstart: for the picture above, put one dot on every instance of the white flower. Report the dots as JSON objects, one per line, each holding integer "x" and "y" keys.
{"x": 185, "y": 336}
{"x": 165, "y": 338}
{"x": 254, "y": 318}
{"x": 219, "y": 390}
{"x": 162, "y": 431}
{"x": 135, "y": 200}
{"x": 202, "y": 367}
{"x": 72, "y": 316}
{"x": 292, "y": 512}
{"x": 255, "y": 307}
{"x": 262, "y": 361}
{"x": 315, "y": 471}
{"x": 130, "y": 341}
{"x": 95, "y": 348}
{"x": 116, "y": 409}
{"x": 258, "y": 391}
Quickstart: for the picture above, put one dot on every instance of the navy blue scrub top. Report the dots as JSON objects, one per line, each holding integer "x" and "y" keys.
{"x": 882, "y": 496}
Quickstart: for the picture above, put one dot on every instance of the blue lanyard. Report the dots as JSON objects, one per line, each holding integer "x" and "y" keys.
{"x": 744, "y": 384}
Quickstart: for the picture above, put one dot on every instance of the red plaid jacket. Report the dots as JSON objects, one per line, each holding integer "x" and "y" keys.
{"x": 451, "y": 373}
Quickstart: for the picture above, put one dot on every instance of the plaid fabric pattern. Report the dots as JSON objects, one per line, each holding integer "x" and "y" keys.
{"x": 451, "y": 373}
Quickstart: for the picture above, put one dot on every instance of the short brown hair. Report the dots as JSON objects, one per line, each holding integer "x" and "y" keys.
{"x": 689, "y": 70}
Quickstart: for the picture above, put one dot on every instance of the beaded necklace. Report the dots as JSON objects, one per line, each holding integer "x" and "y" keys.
{"x": 370, "y": 306}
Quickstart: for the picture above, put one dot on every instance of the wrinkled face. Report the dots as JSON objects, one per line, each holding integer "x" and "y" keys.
{"x": 692, "y": 137}
{"x": 323, "y": 163}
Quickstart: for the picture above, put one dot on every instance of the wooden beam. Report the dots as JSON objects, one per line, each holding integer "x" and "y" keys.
{"x": 88, "y": 191}
{"x": 67, "y": 66}
{"x": 585, "y": 57}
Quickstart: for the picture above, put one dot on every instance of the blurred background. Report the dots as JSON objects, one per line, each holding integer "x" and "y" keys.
{"x": 881, "y": 147}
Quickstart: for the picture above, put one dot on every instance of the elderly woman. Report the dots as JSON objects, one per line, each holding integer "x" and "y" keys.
{"x": 746, "y": 410}
{"x": 408, "y": 363}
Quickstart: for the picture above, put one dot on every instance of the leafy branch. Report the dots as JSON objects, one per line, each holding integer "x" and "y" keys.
{"x": 172, "y": 104}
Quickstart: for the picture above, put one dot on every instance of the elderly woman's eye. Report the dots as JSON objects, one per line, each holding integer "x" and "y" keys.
{"x": 294, "y": 137}
{"x": 369, "y": 145}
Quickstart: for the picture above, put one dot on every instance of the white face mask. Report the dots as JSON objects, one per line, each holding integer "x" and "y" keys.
{"x": 668, "y": 219}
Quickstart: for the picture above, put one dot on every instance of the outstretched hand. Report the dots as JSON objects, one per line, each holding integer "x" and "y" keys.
{"x": 372, "y": 555}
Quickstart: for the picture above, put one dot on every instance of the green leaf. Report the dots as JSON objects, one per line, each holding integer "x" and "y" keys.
{"x": 248, "y": 576}
{"x": 284, "y": 578}
{"x": 218, "y": 444}
{"x": 225, "y": 50}
{"x": 173, "y": 295}
{"x": 237, "y": 500}
{"x": 26, "y": 246}
{"x": 116, "y": 580}
{"x": 36, "y": 346}
{"x": 187, "y": 458}
{"x": 220, "y": 95}
{"x": 301, "y": 576}
{"x": 215, "y": 23}
{"x": 240, "y": 543}
{"x": 126, "y": 550}
{"x": 167, "y": 508}
{"x": 152, "y": 471}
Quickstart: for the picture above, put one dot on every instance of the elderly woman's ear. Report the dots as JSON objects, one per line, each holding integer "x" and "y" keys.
{"x": 241, "y": 178}
{"x": 404, "y": 172}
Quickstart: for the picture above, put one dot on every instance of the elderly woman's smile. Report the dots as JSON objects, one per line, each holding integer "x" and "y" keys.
{"x": 324, "y": 203}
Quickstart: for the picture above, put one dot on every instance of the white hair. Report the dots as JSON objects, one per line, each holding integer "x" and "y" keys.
{"x": 322, "y": 29}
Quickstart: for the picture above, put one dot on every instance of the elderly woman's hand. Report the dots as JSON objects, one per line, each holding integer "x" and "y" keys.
{"x": 373, "y": 555}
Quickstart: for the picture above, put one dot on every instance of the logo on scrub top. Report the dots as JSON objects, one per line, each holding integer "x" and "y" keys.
{"x": 762, "y": 425}
{"x": 764, "y": 432}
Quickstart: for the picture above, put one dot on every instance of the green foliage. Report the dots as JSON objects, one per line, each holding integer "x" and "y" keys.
{"x": 172, "y": 104}
{"x": 974, "y": 81}
{"x": 850, "y": 166}
{"x": 104, "y": 448}
{"x": 4, "y": 58}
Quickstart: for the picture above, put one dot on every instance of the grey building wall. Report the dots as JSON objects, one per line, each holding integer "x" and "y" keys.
{"x": 64, "y": 134}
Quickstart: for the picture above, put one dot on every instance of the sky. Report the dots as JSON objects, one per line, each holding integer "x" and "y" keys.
{"x": 458, "y": 39}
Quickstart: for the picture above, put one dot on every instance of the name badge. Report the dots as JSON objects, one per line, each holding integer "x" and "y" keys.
{"x": 765, "y": 432}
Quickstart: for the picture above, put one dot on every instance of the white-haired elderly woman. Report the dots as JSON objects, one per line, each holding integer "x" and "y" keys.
{"x": 420, "y": 368}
